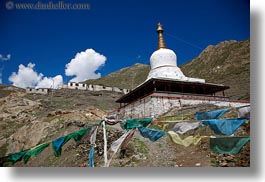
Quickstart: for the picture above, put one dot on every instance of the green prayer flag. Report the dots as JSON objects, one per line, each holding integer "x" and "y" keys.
{"x": 79, "y": 134}
{"x": 58, "y": 143}
{"x": 228, "y": 145}
{"x": 17, "y": 156}
{"x": 35, "y": 151}
{"x": 136, "y": 123}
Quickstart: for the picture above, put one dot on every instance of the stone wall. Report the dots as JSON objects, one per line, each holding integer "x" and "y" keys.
{"x": 83, "y": 86}
{"x": 155, "y": 105}
{"x": 37, "y": 90}
{"x": 77, "y": 86}
{"x": 80, "y": 86}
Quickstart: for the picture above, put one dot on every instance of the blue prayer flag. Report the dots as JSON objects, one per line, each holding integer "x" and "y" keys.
{"x": 215, "y": 114}
{"x": 91, "y": 157}
{"x": 224, "y": 126}
{"x": 151, "y": 134}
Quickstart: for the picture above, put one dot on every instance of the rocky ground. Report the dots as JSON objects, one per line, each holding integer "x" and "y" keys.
{"x": 28, "y": 120}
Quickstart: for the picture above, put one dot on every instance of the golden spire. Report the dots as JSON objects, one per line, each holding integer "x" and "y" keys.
{"x": 161, "y": 42}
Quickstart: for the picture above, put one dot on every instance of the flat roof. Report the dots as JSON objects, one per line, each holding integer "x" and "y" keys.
{"x": 154, "y": 84}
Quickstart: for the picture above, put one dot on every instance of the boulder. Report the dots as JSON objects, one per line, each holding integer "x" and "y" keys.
{"x": 29, "y": 136}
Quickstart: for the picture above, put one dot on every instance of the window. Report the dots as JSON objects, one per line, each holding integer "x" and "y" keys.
{"x": 76, "y": 84}
{"x": 71, "y": 84}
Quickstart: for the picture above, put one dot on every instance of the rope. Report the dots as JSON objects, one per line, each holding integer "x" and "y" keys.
{"x": 186, "y": 42}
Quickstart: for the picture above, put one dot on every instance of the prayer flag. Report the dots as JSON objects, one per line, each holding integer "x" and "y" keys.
{"x": 151, "y": 134}
{"x": 91, "y": 157}
{"x": 228, "y": 145}
{"x": 185, "y": 142}
{"x": 136, "y": 123}
{"x": 183, "y": 127}
{"x": 214, "y": 114}
{"x": 224, "y": 126}
{"x": 35, "y": 151}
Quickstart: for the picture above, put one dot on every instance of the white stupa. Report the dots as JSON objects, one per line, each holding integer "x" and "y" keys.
{"x": 164, "y": 63}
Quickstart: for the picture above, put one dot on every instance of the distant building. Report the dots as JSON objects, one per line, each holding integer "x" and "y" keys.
{"x": 106, "y": 88}
{"x": 65, "y": 86}
{"x": 116, "y": 89}
{"x": 90, "y": 87}
{"x": 125, "y": 91}
{"x": 77, "y": 86}
{"x": 38, "y": 90}
{"x": 97, "y": 87}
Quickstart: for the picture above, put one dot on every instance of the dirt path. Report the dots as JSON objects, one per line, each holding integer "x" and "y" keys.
{"x": 160, "y": 153}
{"x": 165, "y": 153}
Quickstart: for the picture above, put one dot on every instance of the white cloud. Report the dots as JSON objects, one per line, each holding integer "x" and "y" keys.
{"x": 1, "y": 76}
{"x": 2, "y": 58}
{"x": 84, "y": 65}
{"x": 25, "y": 77}
{"x": 28, "y": 77}
{"x": 55, "y": 82}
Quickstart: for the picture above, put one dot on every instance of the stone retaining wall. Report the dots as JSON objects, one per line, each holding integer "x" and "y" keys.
{"x": 157, "y": 104}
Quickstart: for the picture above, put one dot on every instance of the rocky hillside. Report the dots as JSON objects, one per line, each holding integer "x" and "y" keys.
{"x": 5, "y": 90}
{"x": 226, "y": 63}
{"x": 28, "y": 119}
{"x": 128, "y": 77}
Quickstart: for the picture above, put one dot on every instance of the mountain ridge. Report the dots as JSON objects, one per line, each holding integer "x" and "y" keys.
{"x": 226, "y": 63}
{"x": 128, "y": 77}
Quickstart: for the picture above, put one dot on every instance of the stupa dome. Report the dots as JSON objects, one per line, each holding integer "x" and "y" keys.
{"x": 163, "y": 57}
{"x": 164, "y": 62}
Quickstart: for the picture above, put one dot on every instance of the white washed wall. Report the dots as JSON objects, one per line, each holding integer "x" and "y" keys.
{"x": 153, "y": 106}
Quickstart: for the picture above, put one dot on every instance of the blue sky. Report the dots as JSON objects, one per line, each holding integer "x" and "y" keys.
{"x": 122, "y": 31}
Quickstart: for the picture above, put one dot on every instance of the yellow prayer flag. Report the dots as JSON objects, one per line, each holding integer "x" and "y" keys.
{"x": 185, "y": 142}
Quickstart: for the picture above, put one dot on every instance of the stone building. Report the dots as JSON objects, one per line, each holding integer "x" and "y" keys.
{"x": 38, "y": 90}
{"x": 95, "y": 88}
{"x": 77, "y": 86}
{"x": 166, "y": 87}
{"x": 101, "y": 88}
